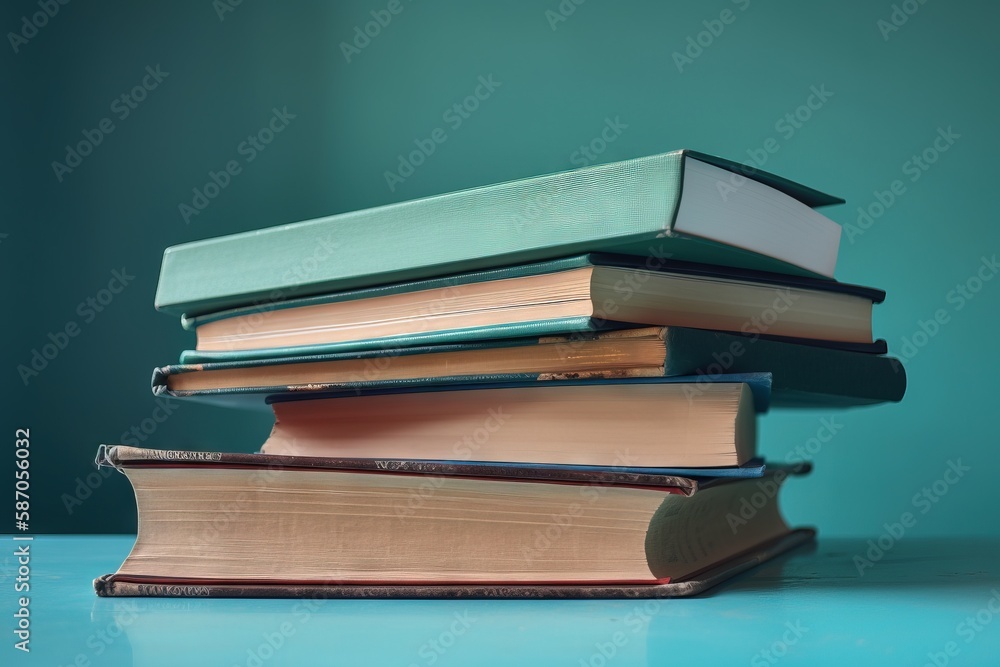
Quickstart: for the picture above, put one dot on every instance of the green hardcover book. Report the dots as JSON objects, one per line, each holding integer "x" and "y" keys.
{"x": 805, "y": 373}
{"x": 572, "y": 294}
{"x": 684, "y": 205}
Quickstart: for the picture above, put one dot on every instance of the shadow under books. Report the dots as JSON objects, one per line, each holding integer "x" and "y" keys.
{"x": 866, "y": 564}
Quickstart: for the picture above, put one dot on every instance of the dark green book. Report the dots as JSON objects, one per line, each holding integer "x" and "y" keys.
{"x": 805, "y": 373}
{"x": 682, "y": 205}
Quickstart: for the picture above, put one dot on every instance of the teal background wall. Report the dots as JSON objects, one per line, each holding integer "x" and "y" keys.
{"x": 887, "y": 95}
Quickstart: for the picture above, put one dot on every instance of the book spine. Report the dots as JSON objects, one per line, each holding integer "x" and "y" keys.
{"x": 109, "y": 586}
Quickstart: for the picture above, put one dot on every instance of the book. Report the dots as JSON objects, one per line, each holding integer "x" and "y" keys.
{"x": 111, "y": 585}
{"x": 805, "y": 373}
{"x": 621, "y": 473}
{"x": 583, "y": 293}
{"x": 326, "y": 526}
{"x": 643, "y": 422}
{"x": 684, "y": 204}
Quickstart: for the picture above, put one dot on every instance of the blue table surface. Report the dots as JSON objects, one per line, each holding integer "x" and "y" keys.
{"x": 920, "y": 602}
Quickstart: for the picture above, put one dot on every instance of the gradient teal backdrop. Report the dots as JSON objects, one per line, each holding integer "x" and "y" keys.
{"x": 894, "y": 111}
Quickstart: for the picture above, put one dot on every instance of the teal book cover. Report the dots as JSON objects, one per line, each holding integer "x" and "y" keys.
{"x": 631, "y": 207}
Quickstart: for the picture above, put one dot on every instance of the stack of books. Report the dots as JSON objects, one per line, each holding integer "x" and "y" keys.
{"x": 548, "y": 387}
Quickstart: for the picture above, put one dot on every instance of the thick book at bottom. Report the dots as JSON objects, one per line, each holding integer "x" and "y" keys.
{"x": 265, "y": 525}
